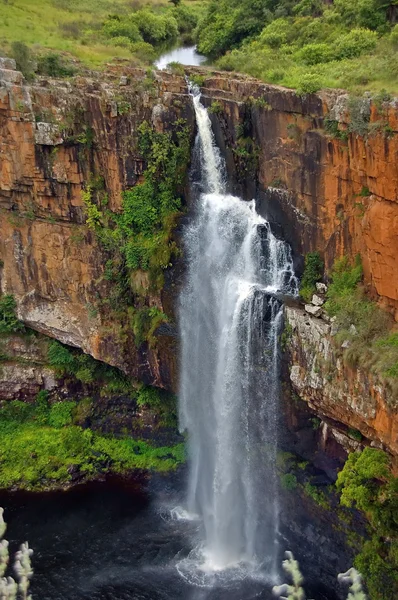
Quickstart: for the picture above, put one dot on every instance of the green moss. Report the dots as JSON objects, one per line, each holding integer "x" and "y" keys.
{"x": 40, "y": 448}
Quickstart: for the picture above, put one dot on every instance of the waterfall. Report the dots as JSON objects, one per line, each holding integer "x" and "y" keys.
{"x": 230, "y": 317}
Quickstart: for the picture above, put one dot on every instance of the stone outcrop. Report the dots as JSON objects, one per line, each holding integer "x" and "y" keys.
{"x": 356, "y": 409}
{"x": 332, "y": 192}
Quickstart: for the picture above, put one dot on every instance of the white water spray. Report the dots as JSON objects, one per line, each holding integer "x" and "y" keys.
{"x": 230, "y": 317}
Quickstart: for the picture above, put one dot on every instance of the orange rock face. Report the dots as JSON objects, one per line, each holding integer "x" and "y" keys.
{"x": 56, "y": 137}
{"x": 334, "y": 193}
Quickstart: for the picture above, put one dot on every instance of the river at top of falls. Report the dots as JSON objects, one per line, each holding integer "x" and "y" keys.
{"x": 230, "y": 319}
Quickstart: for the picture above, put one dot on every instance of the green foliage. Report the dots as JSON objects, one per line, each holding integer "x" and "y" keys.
{"x": 215, "y": 107}
{"x": 144, "y": 322}
{"x": 9, "y": 322}
{"x": 140, "y": 238}
{"x": 54, "y": 65}
{"x": 23, "y": 57}
{"x": 316, "y": 494}
{"x": 161, "y": 402}
{"x": 307, "y": 44}
{"x": 313, "y": 272}
{"x": 142, "y": 25}
{"x": 367, "y": 482}
{"x": 60, "y": 414}
{"x": 309, "y": 84}
{"x": 345, "y": 279}
{"x": 289, "y": 481}
{"x": 368, "y": 328}
{"x": 36, "y": 456}
{"x": 73, "y": 363}
{"x": 355, "y": 43}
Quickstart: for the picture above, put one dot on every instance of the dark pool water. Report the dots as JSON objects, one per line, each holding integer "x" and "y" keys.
{"x": 112, "y": 541}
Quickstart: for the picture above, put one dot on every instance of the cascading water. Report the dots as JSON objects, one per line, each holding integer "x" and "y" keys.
{"x": 230, "y": 317}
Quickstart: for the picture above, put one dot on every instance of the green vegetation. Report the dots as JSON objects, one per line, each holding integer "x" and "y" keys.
{"x": 41, "y": 447}
{"x": 289, "y": 481}
{"x": 313, "y": 272}
{"x": 72, "y": 363}
{"x": 368, "y": 329}
{"x": 316, "y": 494}
{"x": 9, "y": 322}
{"x": 305, "y": 44}
{"x": 367, "y": 482}
{"x": 92, "y": 32}
{"x": 139, "y": 241}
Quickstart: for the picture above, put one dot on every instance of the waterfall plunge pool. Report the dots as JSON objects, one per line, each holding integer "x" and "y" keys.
{"x": 115, "y": 540}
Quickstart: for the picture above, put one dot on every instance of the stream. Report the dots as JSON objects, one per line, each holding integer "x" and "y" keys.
{"x": 185, "y": 55}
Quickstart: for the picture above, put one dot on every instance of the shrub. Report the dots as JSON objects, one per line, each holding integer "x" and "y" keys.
{"x": 117, "y": 27}
{"x": 9, "y": 322}
{"x": 354, "y": 43}
{"x": 61, "y": 414}
{"x": 23, "y": 58}
{"x": 309, "y": 84}
{"x": 363, "y": 13}
{"x": 313, "y": 272}
{"x": 276, "y": 33}
{"x": 366, "y": 481}
{"x": 185, "y": 17}
{"x": 54, "y": 65}
{"x": 313, "y": 54}
{"x": 289, "y": 481}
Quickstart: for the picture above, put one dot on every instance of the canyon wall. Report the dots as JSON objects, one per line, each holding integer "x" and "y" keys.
{"x": 326, "y": 172}
{"x": 326, "y": 183}
{"x": 58, "y": 137}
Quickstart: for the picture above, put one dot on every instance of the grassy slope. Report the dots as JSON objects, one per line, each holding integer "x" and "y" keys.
{"x": 68, "y": 25}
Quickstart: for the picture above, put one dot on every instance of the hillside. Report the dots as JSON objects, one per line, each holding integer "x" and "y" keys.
{"x": 83, "y": 29}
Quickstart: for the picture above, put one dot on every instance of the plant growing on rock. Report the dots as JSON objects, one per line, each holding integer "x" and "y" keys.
{"x": 313, "y": 272}
{"x": 9, "y": 322}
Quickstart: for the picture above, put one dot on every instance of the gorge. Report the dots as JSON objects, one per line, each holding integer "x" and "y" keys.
{"x": 315, "y": 190}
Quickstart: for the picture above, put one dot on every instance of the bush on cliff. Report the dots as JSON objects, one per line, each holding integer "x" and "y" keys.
{"x": 367, "y": 482}
{"x": 9, "y": 322}
{"x": 368, "y": 329}
{"x": 313, "y": 272}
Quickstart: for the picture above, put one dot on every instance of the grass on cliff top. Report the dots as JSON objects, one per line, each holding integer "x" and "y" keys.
{"x": 72, "y": 26}
{"x": 41, "y": 448}
{"x": 371, "y": 332}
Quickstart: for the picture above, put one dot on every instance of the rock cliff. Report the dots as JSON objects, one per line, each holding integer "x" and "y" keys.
{"x": 56, "y": 138}
{"x": 324, "y": 170}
